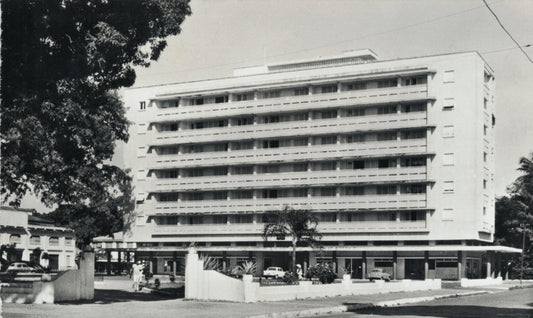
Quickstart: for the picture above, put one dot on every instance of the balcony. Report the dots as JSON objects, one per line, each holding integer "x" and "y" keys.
{"x": 323, "y": 227}
{"x": 292, "y": 128}
{"x": 304, "y": 178}
{"x": 293, "y": 103}
{"x": 347, "y": 203}
{"x": 288, "y": 154}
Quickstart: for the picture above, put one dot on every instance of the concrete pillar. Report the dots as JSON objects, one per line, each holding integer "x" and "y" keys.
{"x": 119, "y": 264}
{"x": 224, "y": 260}
{"x": 426, "y": 264}
{"x": 363, "y": 265}
{"x": 335, "y": 263}
{"x": 259, "y": 263}
{"x": 489, "y": 264}
{"x": 394, "y": 265}
{"x": 87, "y": 275}
{"x": 108, "y": 263}
{"x": 312, "y": 258}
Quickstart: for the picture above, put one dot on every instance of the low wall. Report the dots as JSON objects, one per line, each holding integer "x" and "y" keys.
{"x": 75, "y": 284}
{"x": 203, "y": 284}
{"x": 306, "y": 289}
{"x": 465, "y": 282}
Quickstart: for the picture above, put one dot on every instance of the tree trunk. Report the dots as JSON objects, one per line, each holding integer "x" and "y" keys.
{"x": 294, "y": 258}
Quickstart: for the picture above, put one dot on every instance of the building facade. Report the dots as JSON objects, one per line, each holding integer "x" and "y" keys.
{"x": 27, "y": 230}
{"x": 396, "y": 158}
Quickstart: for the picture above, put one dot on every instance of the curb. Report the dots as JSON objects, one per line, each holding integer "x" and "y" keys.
{"x": 357, "y": 306}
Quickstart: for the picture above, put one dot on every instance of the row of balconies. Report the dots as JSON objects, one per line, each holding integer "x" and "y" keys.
{"x": 323, "y": 227}
{"x": 303, "y": 178}
{"x": 289, "y": 154}
{"x": 290, "y": 129}
{"x": 330, "y": 203}
{"x": 292, "y": 103}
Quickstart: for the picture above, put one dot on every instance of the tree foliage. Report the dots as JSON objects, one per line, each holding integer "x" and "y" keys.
{"x": 299, "y": 225}
{"x": 61, "y": 62}
{"x": 514, "y": 215}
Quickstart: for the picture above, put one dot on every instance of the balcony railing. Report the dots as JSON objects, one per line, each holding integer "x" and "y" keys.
{"x": 347, "y": 203}
{"x": 303, "y": 178}
{"x": 314, "y": 152}
{"x": 323, "y": 227}
{"x": 293, "y": 103}
{"x": 293, "y": 128}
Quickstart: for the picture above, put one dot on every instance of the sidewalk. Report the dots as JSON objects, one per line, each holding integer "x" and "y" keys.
{"x": 115, "y": 302}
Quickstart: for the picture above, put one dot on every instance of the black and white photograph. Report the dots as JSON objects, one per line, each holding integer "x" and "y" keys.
{"x": 266, "y": 158}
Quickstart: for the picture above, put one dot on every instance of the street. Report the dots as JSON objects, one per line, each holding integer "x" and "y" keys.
{"x": 513, "y": 304}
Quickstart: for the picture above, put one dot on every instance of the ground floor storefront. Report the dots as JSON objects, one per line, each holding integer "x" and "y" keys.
{"x": 401, "y": 262}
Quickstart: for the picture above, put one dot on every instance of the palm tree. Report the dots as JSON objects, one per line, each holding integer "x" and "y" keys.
{"x": 300, "y": 225}
{"x": 524, "y": 184}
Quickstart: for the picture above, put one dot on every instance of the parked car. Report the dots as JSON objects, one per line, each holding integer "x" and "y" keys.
{"x": 276, "y": 272}
{"x": 21, "y": 267}
{"x": 378, "y": 273}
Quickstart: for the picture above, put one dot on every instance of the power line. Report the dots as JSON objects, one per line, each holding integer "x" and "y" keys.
{"x": 507, "y": 49}
{"x": 325, "y": 45}
{"x": 509, "y": 34}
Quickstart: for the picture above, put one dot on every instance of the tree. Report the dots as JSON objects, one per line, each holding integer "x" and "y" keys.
{"x": 514, "y": 216}
{"x": 62, "y": 60}
{"x": 299, "y": 225}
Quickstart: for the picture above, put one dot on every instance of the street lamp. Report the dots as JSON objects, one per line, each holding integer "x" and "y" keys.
{"x": 523, "y": 227}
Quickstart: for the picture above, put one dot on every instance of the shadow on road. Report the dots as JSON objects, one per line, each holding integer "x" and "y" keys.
{"x": 110, "y": 296}
{"x": 446, "y": 311}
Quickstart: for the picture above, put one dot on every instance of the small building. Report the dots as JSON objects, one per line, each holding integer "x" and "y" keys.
{"x": 113, "y": 255}
{"x": 28, "y": 230}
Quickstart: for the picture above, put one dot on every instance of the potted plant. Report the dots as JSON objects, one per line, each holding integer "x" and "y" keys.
{"x": 347, "y": 273}
{"x": 248, "y": 269}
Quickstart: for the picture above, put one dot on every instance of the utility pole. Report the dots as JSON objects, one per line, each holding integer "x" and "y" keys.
{"x": 523, "y": 226}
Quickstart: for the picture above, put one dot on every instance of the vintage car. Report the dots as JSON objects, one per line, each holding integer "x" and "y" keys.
{"x": 378, "y": 273}
{"x": 276, "y": 272}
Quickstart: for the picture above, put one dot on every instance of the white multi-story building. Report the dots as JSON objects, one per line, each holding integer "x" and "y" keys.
{"x": 396, "y": 158}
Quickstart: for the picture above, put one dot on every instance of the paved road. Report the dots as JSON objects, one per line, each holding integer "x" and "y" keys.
{"x": 513, "y": 304}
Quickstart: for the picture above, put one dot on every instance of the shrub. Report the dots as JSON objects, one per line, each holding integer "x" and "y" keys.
{"x": 323, "y": 272}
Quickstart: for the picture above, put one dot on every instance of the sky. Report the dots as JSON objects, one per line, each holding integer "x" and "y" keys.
{"x": 225, "y": 34}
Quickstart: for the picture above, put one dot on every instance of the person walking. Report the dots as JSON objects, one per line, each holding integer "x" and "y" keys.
{"x": 137, "y": 272}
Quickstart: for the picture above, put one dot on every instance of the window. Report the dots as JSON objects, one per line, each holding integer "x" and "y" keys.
{"x": 221, "y": 99}
{"x": 142, "y": 105}
{"x": 447, "y": 215}
{"x": 448, "y": 159}
{"x": 387, "y": 135}
{"x": 484, "y": 157}
{"x": 355, "y": 112}
{"x": 167, "y": 197}
{"x": 221, "y": 147}
{"x": 448, "y": 76}
{"x": 14, "y": 238}
{"x": 329, "y": 165}
{"x": 299, "y": 193}
{"x": 220, "y": 219}
{"x": 328, "y": 140}
{"x": 299, "y": 167}
{"x": 410, "y": 108}
{"x": 271, "y": 119}
{"x": 386, "y": 189}
{"x": 141, "y": 151}
{"x": 271, "y": 94}
{"x": 328, "y": 89}
{"x": 448, "y": 131}
{"x": 410, "y": 216}
{"x": 244, "y": 194}
{"x": 354, "y": 191}
{"x": 386, "y": 216}
{"x": 270, "y": 143}
{"x": 386, "y": 163}
{"x": 413, "y": 162}
{"x": 484, "y": 210}
{"x": 243, "y": 219}
{"x": 197, "y": 101}
{"x": 53, "y": 241}
{"x": 35, "y": 240}
{"x": 388, "y": 83}
{"x": 172, "y": 150}
{"x": 355, "y": 138}
{"x": 242, "y": 145}
{"x": 141, "y": 174}
{"x": 382, "y": 110}
{"x": 448, "y": 103}
{"x": 69, "y": 241}
{"x": 355, "y": 86}
{"x": 326, "y": 114}
{"x": 270, "y": 169}
{"x": 484, "y": 184}
{"x": 413, "y": 134}
{"x": 244, "y": 96}
{"x": 358, "y": 164}
{"x": 413, "y": 188}
{"x": 448, "y": 187}
{"x": 300, "y": 142}
{"x": 301, "y": 91}
{"x": 270, "y": 194}
{"x": 327, "y": 217}
{"x": 327, "y": 192}
{"x": 243, "y": 170}
{"x": 244, "y": 121}
{"x": 220, "y": 195}
{"x": 220, "y": 171}
{"x": 485, "y": 130}
{"x": 416, "y": 80}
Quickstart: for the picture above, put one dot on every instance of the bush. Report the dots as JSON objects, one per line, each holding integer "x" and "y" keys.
{"x": 323, "y": 272}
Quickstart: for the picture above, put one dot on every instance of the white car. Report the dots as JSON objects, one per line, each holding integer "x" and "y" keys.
{"x": 276, "y": 272}
{"x": 20, "y": 267}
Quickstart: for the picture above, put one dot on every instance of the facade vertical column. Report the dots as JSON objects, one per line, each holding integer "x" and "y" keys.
{"x": 224, "y": 260}
{"x": 363, "y": 265}
{"x": 426, "y": 265}
{"x": 334, "y": 259}
{"x": 260, "y": 262}
{"x": 119, "y": 263}
{"x": 108, "y": 263}
{"x": 461, "y": 268}
{"x": 394, "y": 265}
{"x": 489, "y": 264}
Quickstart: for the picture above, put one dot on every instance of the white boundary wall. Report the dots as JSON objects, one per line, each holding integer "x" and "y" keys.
{"x": 465, "y": 282}
{"x": 203, "y": 284}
